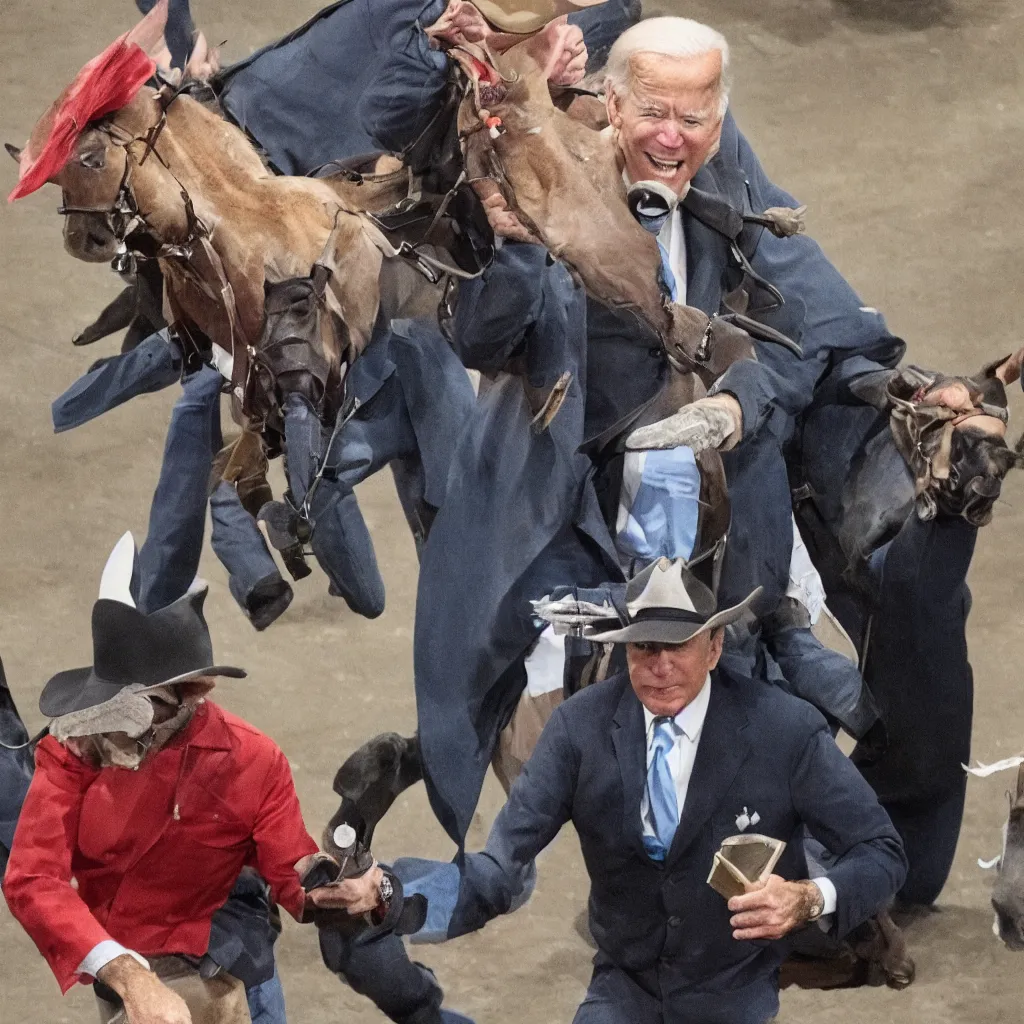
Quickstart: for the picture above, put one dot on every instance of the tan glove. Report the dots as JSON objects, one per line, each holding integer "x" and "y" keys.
{"x": 715, "y": 422}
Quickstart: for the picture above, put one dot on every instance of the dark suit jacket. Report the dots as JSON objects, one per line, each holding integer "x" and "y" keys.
{"x": 760, "y": 749}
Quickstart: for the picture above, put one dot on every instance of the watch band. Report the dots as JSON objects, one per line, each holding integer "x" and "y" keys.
{"x": 817, "y": 902}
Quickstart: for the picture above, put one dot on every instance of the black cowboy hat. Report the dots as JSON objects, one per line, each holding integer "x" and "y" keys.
{"x": 129, "y": 647}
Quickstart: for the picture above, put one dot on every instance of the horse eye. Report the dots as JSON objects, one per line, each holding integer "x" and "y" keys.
{"x": 93, "y": 159}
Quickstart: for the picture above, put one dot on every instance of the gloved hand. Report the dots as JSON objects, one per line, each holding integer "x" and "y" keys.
{"x": 715, "y": 422}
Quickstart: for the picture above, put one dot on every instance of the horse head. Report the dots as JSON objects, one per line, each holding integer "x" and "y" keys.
{"x": 95, "y": 207}
{"x": 1008, "y": 892}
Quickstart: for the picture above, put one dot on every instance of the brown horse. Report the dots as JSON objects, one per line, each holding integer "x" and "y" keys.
{"x": 173, "y": 181}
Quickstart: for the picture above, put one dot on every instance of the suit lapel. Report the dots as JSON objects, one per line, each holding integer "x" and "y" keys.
{"x": 707, "y": 256}
{"x": 630, "y": 745}
{"x": 723, "y": 747}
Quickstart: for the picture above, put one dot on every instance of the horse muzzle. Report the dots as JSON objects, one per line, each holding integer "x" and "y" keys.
{"x": 89, "y": 237}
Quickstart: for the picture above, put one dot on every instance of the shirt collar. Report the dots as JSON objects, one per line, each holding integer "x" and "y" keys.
{"x": 690, "y": 720}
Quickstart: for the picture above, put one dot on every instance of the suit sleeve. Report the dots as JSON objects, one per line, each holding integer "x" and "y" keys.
{"x": 462, "y": 897}
{"x": 281, "y": 837}
{"x": 497, "y": 311}
{"x": 821, "y": 311}
{"x": 842, "y": 812}
{"x": 407, "y": 90}
{"x": 539, "y": 804}
{"x": 37, "y": 884}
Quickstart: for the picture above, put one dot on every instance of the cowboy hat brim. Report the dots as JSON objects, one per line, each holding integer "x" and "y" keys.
{"x": 654, "y": 630}
{"x": 79, "y": 688}
{"x": 531, "y": 15}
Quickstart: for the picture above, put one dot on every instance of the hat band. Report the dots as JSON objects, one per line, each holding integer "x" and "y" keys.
{"x": 669, "y": 615}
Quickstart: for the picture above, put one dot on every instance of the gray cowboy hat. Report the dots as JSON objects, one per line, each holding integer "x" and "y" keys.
{"x": 666, "y": 604}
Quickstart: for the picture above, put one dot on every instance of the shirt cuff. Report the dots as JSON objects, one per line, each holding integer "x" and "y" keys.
{"x": 828, "y": 894}
{"x": 102, "y": 953}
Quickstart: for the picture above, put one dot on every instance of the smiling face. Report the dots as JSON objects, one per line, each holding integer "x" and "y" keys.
{"x": 666, "y": 677}
{"x": 668, "y": 119}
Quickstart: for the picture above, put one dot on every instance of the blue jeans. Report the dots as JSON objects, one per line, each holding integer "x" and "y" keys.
{"x": 266, "y": 1001}
{"x": 169, "y": 559}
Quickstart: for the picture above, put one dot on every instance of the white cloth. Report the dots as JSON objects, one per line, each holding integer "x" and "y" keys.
{"x": 545, "y": 664}
{"x": 805, "y": 584}
{"x": 687, "y": 726}
{"x": 828, "y": 894}
{"x": 102, "y": 953}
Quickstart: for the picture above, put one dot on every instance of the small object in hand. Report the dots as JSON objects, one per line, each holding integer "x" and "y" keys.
{"x": 742, "y": 861}
{"x": 324, "y": 870}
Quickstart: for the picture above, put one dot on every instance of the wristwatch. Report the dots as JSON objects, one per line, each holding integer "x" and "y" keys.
{"x": 817, "y": 901}
{"x": 386, "y": 890}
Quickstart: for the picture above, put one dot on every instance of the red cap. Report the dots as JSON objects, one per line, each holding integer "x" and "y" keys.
{"x": 107, "y": 83}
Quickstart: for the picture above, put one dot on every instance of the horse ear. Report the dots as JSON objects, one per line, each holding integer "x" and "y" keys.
{"x": 148, "y": 34}
{"x": 14, "y": 151}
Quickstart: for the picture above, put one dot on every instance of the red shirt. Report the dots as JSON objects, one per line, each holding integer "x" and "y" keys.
{"x": 154, "y": 852}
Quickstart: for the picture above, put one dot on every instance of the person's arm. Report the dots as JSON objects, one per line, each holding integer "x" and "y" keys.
{"x": 37, "y": 884}
{"x": 822, "y": 313}
{"x": 407, "y": 91}
{"x": 465, "y": 895}
{"x": 280, "y": 836}
{"x": 497, "y": 310}
{"x": 540, "y": 802}
{"x": 842, "y": 812}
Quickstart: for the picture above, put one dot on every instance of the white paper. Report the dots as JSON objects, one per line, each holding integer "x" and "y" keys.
{"x": 983, "y": 771}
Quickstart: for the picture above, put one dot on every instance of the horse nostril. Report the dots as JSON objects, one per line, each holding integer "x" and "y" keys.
{"x": 96, "y": 241}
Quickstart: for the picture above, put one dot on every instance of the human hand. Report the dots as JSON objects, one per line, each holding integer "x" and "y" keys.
{"x": 773, "y": 908}
{"x": 460, "y": 23}
{"x": 715, "y": 422}
{"x": 147, "y": 1000}
{"x": 560, "y": 50}
{"x": 503, "y": 221}
{"x": 354, "y": 895}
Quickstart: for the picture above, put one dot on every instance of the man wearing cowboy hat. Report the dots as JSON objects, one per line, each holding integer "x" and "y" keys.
{"x": 655, "y": 767}
{"x": 146, "y": 803}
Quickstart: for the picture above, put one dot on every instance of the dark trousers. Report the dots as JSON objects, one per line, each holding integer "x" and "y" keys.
{"x": 380, "y": 969}
{"x": 918, "y": 671}
{"x": 614, "y": 997}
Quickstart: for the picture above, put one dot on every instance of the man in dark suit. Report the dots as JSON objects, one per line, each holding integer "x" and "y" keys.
{"x": 655, "y": 767}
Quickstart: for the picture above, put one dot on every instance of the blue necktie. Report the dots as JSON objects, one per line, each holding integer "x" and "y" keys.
{"x": 661, "y": 792}
{"x": 668, "y": 279}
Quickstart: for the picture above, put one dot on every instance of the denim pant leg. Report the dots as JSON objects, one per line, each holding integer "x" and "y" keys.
{"x": 152, "y": 365}
{"x": 169, "y": 559}
{"x": 341, "y": 539}
{"x": 266, "y": 1001}
{"x": 238, "y": 543}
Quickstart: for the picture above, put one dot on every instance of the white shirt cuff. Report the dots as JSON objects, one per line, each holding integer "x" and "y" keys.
{"x": 828, "y": 894}
{"x": 102, "y": 953}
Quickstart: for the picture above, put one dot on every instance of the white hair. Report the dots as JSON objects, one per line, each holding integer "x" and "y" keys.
{"x": 667, "y": 37}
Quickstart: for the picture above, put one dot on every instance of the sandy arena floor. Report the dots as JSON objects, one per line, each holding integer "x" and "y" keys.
{"x": 897, "y": 122}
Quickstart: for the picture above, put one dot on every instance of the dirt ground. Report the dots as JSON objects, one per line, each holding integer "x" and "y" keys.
{"x": 896, "y": 121}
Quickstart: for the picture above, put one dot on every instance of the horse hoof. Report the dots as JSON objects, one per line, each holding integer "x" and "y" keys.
{"x": 899, "y": 973}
